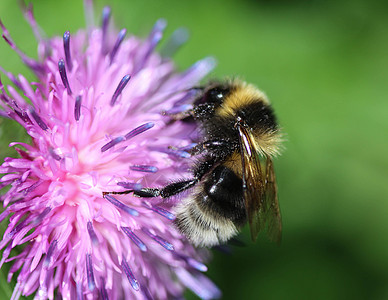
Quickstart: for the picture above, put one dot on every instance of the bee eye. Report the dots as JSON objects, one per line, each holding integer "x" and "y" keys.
{"x": 213, "y": 95}
{"x": 216, "y": 94}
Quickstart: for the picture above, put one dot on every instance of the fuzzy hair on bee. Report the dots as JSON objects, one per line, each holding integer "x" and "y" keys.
{"x": 233, "y": 181}
{"x": 236, "y": 181}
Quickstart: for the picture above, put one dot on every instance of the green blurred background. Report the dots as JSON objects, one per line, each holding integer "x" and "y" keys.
{"x": 324, "y": 65}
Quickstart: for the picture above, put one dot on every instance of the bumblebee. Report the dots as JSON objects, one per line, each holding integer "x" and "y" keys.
{"x": 233, "y": 180}
{"x": 234, "y": 177}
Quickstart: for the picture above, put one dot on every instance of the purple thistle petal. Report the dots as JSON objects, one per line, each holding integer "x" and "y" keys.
{"x": 192, "y": 262}
{"x": 3, "y": 215}
{"x": 92, "y": 234}
{"x": 29, "y": 62}
{"x": 159, "y": 26}
{"x": 188, "y": 147}
{"x": 139, "y": 130}
{"x": 130, "y": 185}
{"x": 103, "y": 292}
{"x": 31, "y": 187}
{"x": 178, "y": 38}
{"x": 89, "y": 270}
{"x": 50, "y": 252}
{"x": 3, "y": 114}
{"x": 23, "y": 116}
{"x": 18, "y": 227}
{"x": 54, "y": 155}
{"x": 190, "y": 95}
{"x": 121, "y": 205}
{"x": 112, "y": 143}
{"x": 7, "y": 39}
{"x": 178, "y": 109}
{"x": 89, "y": 14}
{"x": 138, "y": 242}
{"x": 80, "y": 295}
{"x": 116, "y": 47}
{"x": 62, "y": 72}
{"x": 127, "y": 270}
{"x": 38, "y": 119}
{"x": 16, "y": 292}
{"x": 105, "y": 22}
{"x": 153, "y": 40}
{"x": 5, "y": 255}
{"x": 13, "y": 79}
{"x": 66, "y": 46}
{"x": 144, "y": 168}
{"x": 77, "y": 107}
{"x": 196, "y": 264}
{"x": 42, "y": 215}
{"x": 29, "y": 15}
{"x": 146, "y": 293}
{"x": 160, "y": 211}
{"x": 166, "y": 245}
{"x": 175, "y": 152}
{"x": 119, "y": 89}
{"x": 202, "y": 66}
{"x": 38, "y": 32}
{"x": 199, "y": 284}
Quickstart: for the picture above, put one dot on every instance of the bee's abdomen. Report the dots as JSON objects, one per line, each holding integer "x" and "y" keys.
{"x": 224, "y": 195}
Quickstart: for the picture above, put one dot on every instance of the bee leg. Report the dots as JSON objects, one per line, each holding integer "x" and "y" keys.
{"x": 172, "y": 188}
{"x": 176, "y": 116}
{"x": 177, "y": 187}
{"x": 167, "y": 191}
{"x": 117, "y": 193}
{"x": 144, "y": 193}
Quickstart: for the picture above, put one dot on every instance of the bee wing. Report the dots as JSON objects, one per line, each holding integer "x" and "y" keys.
{"x": 271, "y": 200}
{"x": 259, "y": 188}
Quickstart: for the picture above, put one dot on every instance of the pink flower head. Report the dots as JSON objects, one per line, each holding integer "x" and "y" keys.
{"x": 96, "y": 122}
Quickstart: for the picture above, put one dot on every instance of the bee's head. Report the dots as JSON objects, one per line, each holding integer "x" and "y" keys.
{"x": 214, "y": 94}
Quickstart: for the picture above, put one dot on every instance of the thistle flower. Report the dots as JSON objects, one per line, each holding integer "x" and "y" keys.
{"x": 94, "y": 118}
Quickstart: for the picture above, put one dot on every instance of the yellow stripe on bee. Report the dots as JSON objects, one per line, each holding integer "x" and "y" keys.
{"x": 243, "y": 94}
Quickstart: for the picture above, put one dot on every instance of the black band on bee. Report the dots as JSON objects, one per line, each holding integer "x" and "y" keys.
{"x": 258, "y": 115}
{"x": 223, "y": 194}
